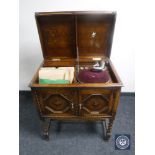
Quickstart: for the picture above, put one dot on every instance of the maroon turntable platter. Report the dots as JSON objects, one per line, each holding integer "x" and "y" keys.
{"x": 89, "y": 76}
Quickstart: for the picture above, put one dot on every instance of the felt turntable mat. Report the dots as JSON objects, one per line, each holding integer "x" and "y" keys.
{"x": 88, "y": 76}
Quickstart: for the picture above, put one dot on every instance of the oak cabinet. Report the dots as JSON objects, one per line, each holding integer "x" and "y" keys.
{"x": 76, "y": 39}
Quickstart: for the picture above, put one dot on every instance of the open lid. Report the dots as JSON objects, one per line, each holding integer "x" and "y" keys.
{"x": 95, "y": 33}
{"x": 68, "y": 34}
{"x": 57, "y": 34}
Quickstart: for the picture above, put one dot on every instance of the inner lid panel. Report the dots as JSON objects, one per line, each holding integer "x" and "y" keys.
{"x": 94, "y": 34}
{"x": 57, "y": 35}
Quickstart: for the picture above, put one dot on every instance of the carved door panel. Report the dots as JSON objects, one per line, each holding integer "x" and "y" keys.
{"x": 95, "y": 102}
{"x": 57, "y": 102}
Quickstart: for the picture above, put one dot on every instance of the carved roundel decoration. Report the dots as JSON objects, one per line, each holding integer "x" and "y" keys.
{"x": 96, "y": 103}
{"x": 57, "y": 103}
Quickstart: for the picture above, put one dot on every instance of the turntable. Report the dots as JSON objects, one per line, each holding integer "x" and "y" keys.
{"x": 97, "y": 74}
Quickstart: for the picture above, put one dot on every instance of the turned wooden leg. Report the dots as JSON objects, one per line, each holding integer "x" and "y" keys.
{"x": 46, "y": 127}
{"x": 40, "y": 117}
{"x": 108, "y": 128}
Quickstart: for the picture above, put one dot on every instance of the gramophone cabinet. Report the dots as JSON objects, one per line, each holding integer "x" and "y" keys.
{"x": 76, "y": 39}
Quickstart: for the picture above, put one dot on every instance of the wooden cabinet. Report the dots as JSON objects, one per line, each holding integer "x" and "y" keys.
{"x": 73, "y": 39}
{"x": 74, "y": 102}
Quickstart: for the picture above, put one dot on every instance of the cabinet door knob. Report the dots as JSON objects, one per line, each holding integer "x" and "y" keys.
{"x": 72, "y": 105}
{"x": 80, "y": 107}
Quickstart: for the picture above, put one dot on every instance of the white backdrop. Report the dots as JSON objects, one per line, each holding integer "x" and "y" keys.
{"x": 122, "y": 54}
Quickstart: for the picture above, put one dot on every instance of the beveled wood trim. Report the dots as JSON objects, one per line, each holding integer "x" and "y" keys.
{"x": 40, "y": 35}
{"x": 115, "y": 72}
{"x": 126, "y": 94}
{"x": 116, "y": 101}
{"x": 57, "y": 112}
{"x": 95, "y": 91}
{"x": 110, "y": 39}
{"x": 79, "y": 118}
{"x": 35, "y": 76}
{"x": 64, "y": 62}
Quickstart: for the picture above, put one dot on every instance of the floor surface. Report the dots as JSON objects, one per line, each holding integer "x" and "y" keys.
{"x": 70, "y": 138}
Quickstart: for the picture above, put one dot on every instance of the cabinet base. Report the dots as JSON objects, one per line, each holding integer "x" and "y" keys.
{"x": 107, "y": 128}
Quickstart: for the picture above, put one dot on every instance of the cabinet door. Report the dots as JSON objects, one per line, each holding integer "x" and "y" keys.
{"x": 95, "y": 102}
{"x": 56, "y": 102}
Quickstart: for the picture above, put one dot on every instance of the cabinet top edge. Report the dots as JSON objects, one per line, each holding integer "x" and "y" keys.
{"x": 74, "y": 13}
{"x": 85, "y": 85}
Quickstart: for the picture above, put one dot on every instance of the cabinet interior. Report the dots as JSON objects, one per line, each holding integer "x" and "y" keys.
{"x": 87, "y": 63}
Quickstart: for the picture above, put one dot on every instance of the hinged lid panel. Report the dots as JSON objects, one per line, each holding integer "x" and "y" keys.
{"x": 95, "y": 33}
{"x": 57, "y": 34}
{"x": 72, "y": 34}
